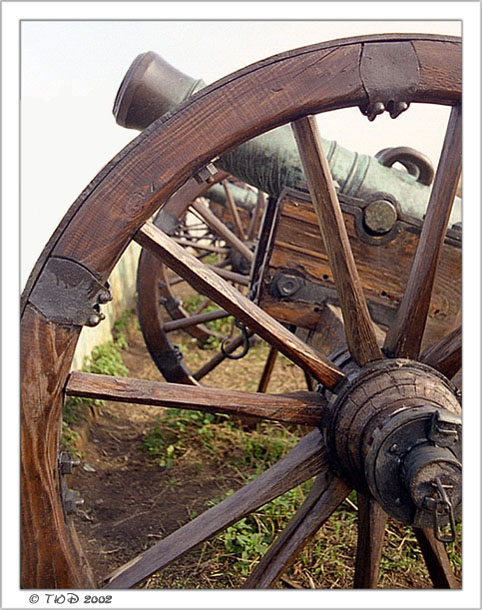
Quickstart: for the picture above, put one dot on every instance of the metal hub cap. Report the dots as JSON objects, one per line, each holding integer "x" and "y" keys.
{"x": 394, "y": 431}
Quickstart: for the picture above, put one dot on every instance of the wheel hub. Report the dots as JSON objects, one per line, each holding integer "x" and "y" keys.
{"x": 394, "y": 431}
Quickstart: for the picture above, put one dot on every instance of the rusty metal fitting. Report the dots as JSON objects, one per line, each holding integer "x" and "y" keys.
{"x": 67, "y": 462}
{"x": 380, "y": 216}
{"x": 288, "y": 285}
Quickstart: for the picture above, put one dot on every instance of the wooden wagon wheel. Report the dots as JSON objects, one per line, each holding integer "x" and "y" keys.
{"x": 392, "y": 396}
{"x": 156, "y": 285}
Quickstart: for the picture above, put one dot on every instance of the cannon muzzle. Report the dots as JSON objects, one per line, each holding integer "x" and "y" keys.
{"x": 149, "y": 89}
{"x": 270, "y": 162}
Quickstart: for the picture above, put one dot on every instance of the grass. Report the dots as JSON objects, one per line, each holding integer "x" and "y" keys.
{"x": 219, "y": 452}
{"x": 226, "y": 560}
{"x": 105, "y": 359}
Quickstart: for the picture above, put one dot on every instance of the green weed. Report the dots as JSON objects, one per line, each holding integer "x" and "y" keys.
{"x": 105, "y": 359}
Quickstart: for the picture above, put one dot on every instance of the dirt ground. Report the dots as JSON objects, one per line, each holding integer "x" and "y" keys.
{"x": 130, "y": 502}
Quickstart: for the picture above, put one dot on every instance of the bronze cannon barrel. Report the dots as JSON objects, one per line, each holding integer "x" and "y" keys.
{"x": 270, "y": 162}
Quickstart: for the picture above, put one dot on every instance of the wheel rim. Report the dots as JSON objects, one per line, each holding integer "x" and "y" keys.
{"x": 126, "y": 193}
{"x": 154, "y": 287}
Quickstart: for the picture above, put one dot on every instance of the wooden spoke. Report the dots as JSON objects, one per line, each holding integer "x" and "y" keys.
{"x": 446, "y": 355}
{"x": 359, "y": 330}
{"x": 196, "y": 246}
{"x": 325, "y": 496}
{"x": 227, "y": 297}
{"x": 177, "y": 280}
{"x": 309, "y": 382}
{"x": 202, "y": 307}
{"x": 260, "y": 205}
{"x": 234, "y": 210}
{"x": 405, "y": 335}
{"x": 297, "y": 407}
{"x": 268, "y": 369}
{"x": 220, "y": 357}
{"x": 222, "y": 230}
{"x": 201, "y": 318}
{"x": 237, "y": 278}
{"x": 436, "y": 559}
{"x": 372, "y": 520}
{"x": 307, "y": 459}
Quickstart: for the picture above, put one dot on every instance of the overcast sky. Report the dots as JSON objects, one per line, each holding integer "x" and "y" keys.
{"x": 70, "y": 72}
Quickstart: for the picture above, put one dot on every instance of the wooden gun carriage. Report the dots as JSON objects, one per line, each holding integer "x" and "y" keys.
{"x": 386, "y": 417}
{"x": 290, "y": 275}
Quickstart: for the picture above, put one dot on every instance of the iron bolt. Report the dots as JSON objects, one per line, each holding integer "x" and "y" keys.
{"x": 380, "y": 216}
{"x": 206, "y": 174}
{"x": 398, "y": 501}
{"x": 396, "y": 108}
{"x": 288, "y": 286}
{"x": 93, "y": 320}
{"x": 72, "y": 501}
{"x": 394, "y": 448}
{"x": 374, "y": 110}
{"x": 67, "y": 462}
{"x": 105, "y": 297}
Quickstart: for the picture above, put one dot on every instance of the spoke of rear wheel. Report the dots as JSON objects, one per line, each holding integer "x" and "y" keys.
{"x": 244, "y": 310}
{"x": 220, "y": 357}
{"x": 359, "y": 330}
{"x": 231, "y": 276}
{"x": 296, "y": 407}
{"x": 222, "y": 230}
{"x": 260, "y": 205}
{"x": 234, "y": 211}
{"x": 446, "y": 355}
{"x": 325, "y": 496}
{"x": 436, "y": 559}
{"x": 267, "y": 370}
{"x": 306, "y": 460}
{"x": 371, "y": 532}
{"x": 205, "y": 247}
{"x": 405, "y": 335}
{"x": 193, "y": 320}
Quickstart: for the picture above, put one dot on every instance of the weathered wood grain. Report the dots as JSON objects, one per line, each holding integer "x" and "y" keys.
{"x": 372, "y": 520}
{"x": 306, "y": 460}
{"x": 446, "y": 355}
{"x": 383, "y": 270}
{"x": 404, "y": 336}
{"x": 267, "y": 370}
{"x": 202, "y": 318}
{"x": 239, "y": 306}
{"x": 297, "y": 407}
{"x": 436, "y": 560}
{"x": 105, "y": 217}
{"x": 222, "y": 230}
{"x": 50, "y": 557}
{"x": 231, "y": 276}
{"x": 325, "y": 496}
{"x": 358, "y": 325}
{"x": 261, "y": 203}
{"x": 234, "y": 211}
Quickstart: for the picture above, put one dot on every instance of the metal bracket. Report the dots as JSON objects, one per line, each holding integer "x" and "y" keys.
{"x": 171, "y": 305}
{"x": 445, "y": 429}
{"x": 71, "y": 499}
{"x": 391, "y": 87}
{"x": 68, "y": 293}
{"x": 206, "y": 174}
